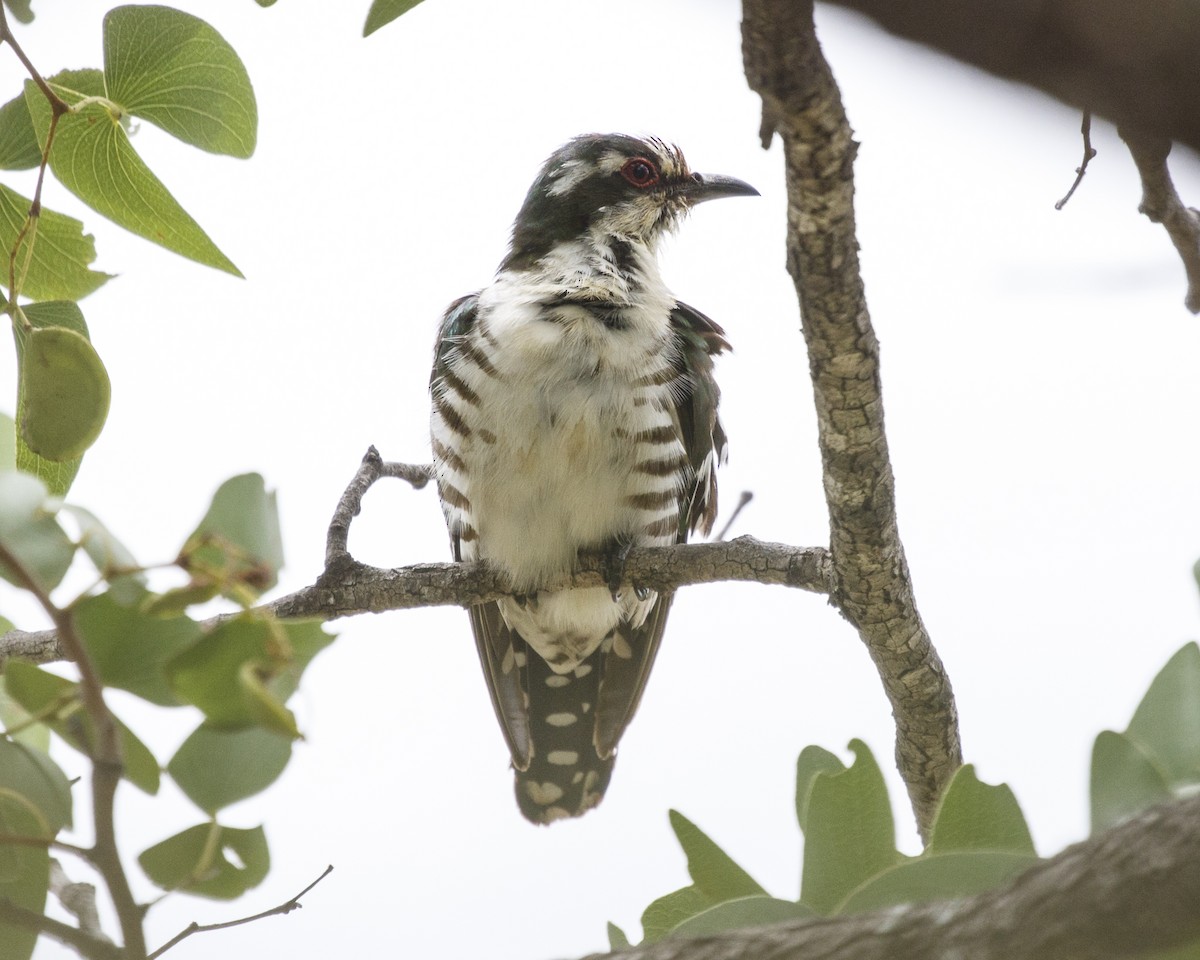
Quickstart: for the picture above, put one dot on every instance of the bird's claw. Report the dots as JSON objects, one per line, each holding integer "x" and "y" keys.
{"x": 614, "y": 569}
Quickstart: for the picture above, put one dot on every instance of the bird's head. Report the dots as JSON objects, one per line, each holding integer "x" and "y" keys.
{"x": 610, "y": 185}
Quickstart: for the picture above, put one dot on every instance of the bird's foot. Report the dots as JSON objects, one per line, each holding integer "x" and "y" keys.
{"x": 614, "y": 568}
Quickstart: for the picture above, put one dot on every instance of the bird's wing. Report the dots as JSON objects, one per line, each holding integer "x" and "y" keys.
{"x": 496, "y": 643}
{"x": 627, "y": 664}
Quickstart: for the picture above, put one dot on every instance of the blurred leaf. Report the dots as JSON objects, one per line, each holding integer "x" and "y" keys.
{"x": 946, "y": 876}
{"x": 175, "y": 601}
{"x": 19, "y": 148}
{"x": 33, "y": 777}
{"x": 24, "y": 875}
{"x": 812, "y": 760}
{"x": 35, "y": 736}
{"x": 93, "y": 158}
{"x": 38, "y": 691}
{"x": 265, "y": 3}
{"x": 131, "y": 649}
{"x": 64, "y": 392}
{"x": 176, "y": 71}
{"x": 744, "y": 912}
{"x": 197, "y": 861}
{"x": 58, "y": 267}
{"x": 109, "y": 555}
{"x": 383, "y": 12}
{"x": 616, "y": 936}
{"x": 1125, "y": 779}
{"x": 20, "y": 10}
{"x": 212, "y": 673}
{"x": 216, "y": 767}
{"x": 713, "y": 871}
{"x": 268, "y": 711}
{"x": 238, "y": 540}
{"x": 30, "y": 532}
{"x": 978, "y": 816}
{"x": 850, "y": 836}
{"x": 57, "y": 475}
{"x": 1167, "y": 721}
{"x": 669, "y": 911}
{"x": 8, "y": 442}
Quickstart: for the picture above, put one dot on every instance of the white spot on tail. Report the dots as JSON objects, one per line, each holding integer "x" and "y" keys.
{"x": 562, "y": 758}
{"x": 561, "y": 719}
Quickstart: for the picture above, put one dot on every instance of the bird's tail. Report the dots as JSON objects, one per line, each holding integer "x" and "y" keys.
{"x": 566, "y": 776}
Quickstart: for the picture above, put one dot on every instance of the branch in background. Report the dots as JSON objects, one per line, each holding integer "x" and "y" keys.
{"x": 82, "y": 943}
{"x": 1118, "y": 895}
{"x": 78, "y": 899}
{"x": 348, "y": 507}
{"x": 1132, "y": 63}
{"x": 872, "y": 587}
{"x": 1089, "y": 152}
{"x": 1161, "y": 204}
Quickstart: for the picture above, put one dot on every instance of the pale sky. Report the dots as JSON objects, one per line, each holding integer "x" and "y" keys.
{"x": 1041, "y": 396}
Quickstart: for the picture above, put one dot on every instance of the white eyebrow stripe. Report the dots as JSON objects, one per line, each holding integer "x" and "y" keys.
{"x": 567, "y": 176}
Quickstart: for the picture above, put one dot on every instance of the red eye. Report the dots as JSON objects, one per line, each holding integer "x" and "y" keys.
{"x": 640, "y": 172}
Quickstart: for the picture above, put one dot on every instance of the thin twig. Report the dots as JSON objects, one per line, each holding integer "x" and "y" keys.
{"x": 1161, "y": 204}
{"x": 348, "y": 507}
{"x": 745, "y": 498}
{"x": 1088, "y": 152}
{"x": 293, "y": 904}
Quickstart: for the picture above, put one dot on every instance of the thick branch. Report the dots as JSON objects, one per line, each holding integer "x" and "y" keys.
{"x": 1122, "y": 894}
{"x": 1133, "y": 63}
{"x": 801, "y": 103}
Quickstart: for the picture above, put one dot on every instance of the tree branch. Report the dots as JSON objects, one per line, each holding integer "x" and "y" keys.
{"x": 349, "y": 588}
{"x": 1133, "y": 63}
{"x": 801, "y": 103}
{"x": 1161, "y": 204}
{"x": 1122, "y": 894}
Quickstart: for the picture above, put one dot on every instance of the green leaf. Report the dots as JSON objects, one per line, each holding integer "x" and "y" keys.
{"x": 112, "y": 559}
{"x": 8, "y": 442}
{"x": 216, "y": 767}
{"x": 24, "y": 875}
{"x": 979, "y": 816}
{"x": 1125, "y": 779}
{"x": 616, "y": 936}
{"x": 812, "y": 760}
{"x": 1167, "y": 721}
{"x": 35, "y": 779}
{"x": 850, "y": 836}
{"x": 713, "y": 871}
{"x": 57, "y": 475}
{"x": 197, "y": 861}
{"x": 669, "y": 911}
{"x": 35, "y": 736}
{"x": 176, "y": 71}
{"x": 20, "y": 10}
{"x": 41, "y": 692}
{"x": 212, "y": 673}
{"x": 30, "y": 532}
{"x": 131, "y": 649}
{"x": 63, "y": 395}
{"x": 238, "y": 540}
{"x": 383, "y": 12}
{"x": 19, "y": 148}
{"x": 93, "y": 158}
{"x": 946, "y": 876}
{"x": 58, "y": 267}
{"x": 744, "y": 912}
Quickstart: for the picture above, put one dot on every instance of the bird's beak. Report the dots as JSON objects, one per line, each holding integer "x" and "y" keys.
{"x": 710, "y": 186}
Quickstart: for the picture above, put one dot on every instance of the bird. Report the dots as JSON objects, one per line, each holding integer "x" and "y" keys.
{"x": 574, "y": 411}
